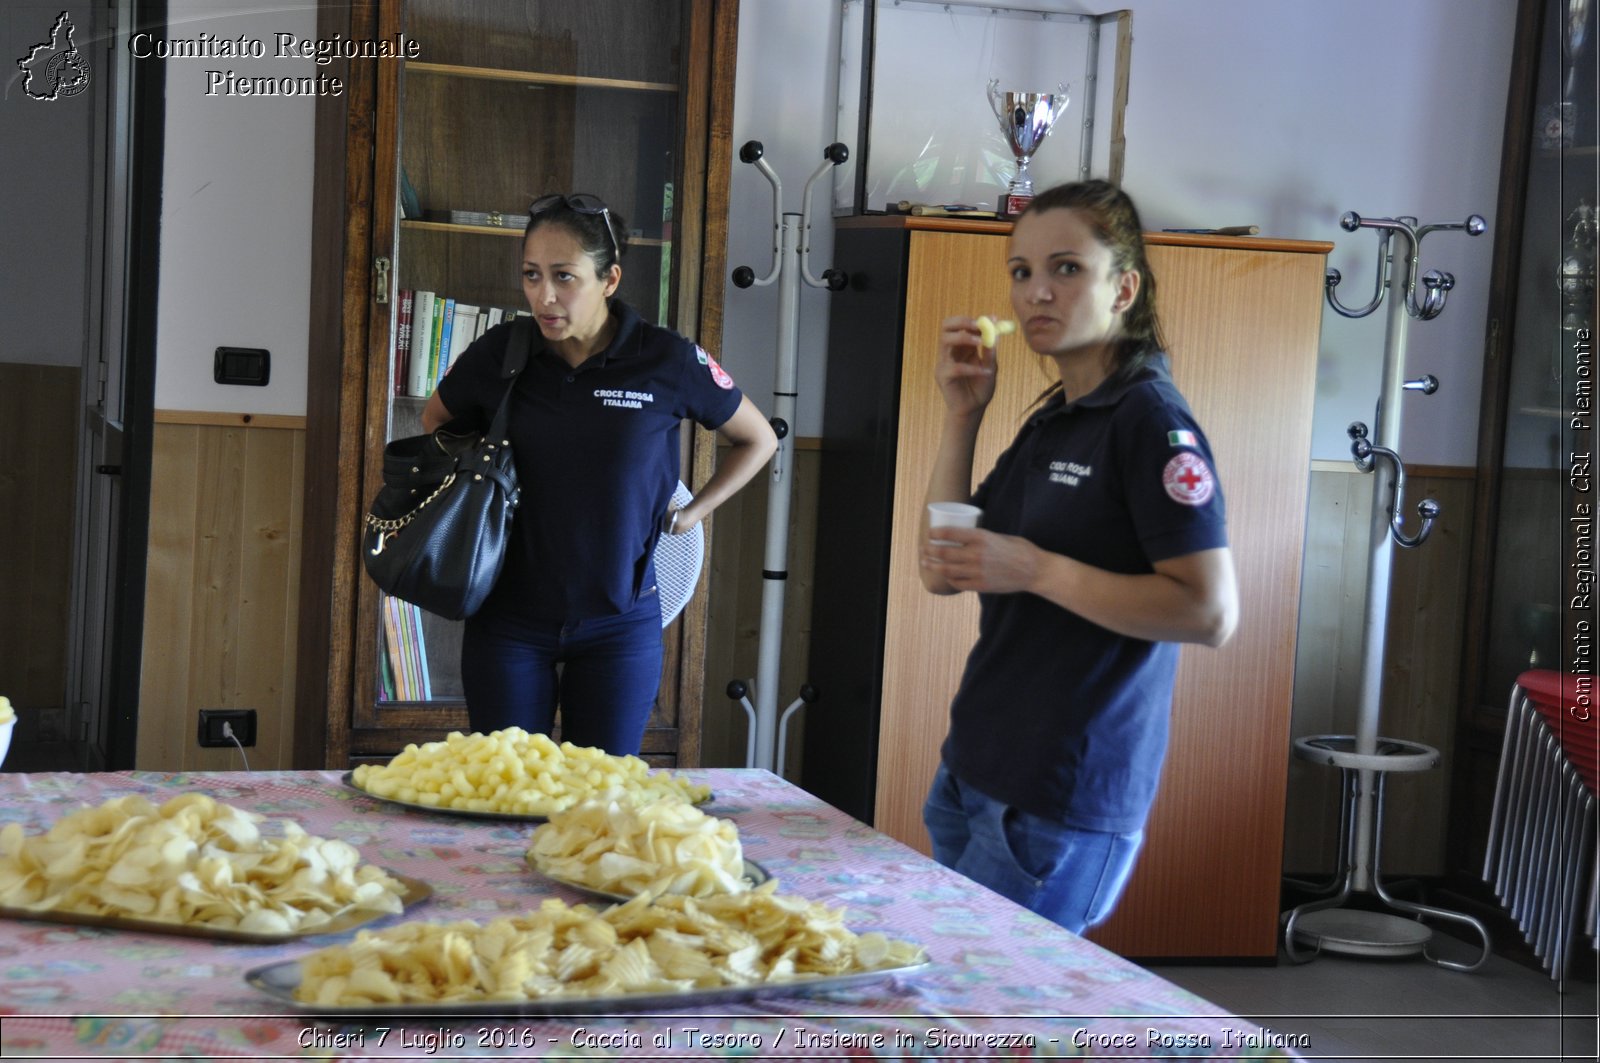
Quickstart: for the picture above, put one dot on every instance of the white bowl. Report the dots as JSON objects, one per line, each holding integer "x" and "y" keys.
{"x": 5, "y": 737}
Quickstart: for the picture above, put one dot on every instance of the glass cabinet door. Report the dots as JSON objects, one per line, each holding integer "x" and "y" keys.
{"x": 1530, "y": 612}
{"x": 504, "y": 102}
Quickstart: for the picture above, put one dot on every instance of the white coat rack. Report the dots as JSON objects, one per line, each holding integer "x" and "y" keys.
{"x": 1365, "y": 758}
{"x": 766, "y": 745}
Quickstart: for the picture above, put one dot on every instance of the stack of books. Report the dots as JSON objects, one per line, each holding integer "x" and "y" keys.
{"x": 431, "y": 331}
{"x": 403, "y": 670}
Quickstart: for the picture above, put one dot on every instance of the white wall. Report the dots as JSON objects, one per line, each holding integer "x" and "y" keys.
{"x": 1283, "y": 115}
{"x": 784, "y": 97}
{"x": 236, "y": 214}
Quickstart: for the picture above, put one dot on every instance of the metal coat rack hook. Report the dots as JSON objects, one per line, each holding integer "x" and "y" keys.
{"x": 1436, "y": 283}
{"x": 1367, "y": 454}
{"x": 767, "y": 742}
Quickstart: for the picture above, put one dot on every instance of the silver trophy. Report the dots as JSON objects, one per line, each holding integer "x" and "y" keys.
{"x": 1025, "y": 120}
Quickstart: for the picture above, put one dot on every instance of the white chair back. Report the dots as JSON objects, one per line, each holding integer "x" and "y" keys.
{"x": 678, "y": 562}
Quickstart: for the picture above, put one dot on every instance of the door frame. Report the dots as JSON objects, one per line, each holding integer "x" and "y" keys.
{"x": 123, "y": 309}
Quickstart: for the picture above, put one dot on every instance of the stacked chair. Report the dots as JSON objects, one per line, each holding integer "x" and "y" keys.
{"x": 1541, "y": 857}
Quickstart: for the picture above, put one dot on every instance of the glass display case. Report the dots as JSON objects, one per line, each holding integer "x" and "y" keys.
{"x": 927, "y": 133}
{"x": 1529, "y": 490}
{"x": 1530, "y": 604}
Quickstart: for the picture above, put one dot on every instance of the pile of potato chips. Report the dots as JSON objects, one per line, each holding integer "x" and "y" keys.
{"x": 7, "y": 714}
{"x": 193, "y": 861}
{"x": 513, "y": 772}
{"x": 618, "y": 845}
{"x": 674, "y": 944}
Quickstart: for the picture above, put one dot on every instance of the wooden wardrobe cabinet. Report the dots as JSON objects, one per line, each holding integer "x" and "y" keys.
{"x": 424, "y": 165}
{"x": 1242, "y": 317}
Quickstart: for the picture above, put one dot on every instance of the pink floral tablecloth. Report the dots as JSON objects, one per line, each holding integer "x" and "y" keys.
{"x": 1003, "y": 982}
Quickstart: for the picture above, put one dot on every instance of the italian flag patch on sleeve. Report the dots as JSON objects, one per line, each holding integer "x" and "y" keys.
{"x": 1181, "y": 438}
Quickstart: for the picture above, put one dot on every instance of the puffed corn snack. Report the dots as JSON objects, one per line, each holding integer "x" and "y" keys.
{"x": 513, "y": 772}
{"x": 991, "y": 329}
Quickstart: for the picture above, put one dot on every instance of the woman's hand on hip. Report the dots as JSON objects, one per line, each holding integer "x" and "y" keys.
{"x": 971, "y": 559}
{"x": 965, "y": 370}
{"x": 679, "y": 521}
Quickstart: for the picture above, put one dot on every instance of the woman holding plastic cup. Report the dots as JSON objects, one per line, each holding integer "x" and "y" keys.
{"x": 1102, "y": 545}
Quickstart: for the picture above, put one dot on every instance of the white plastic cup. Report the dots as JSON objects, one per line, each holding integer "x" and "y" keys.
{"x": 951, "y": 515}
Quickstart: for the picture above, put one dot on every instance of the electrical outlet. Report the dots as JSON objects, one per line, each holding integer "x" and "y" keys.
{"x": 243, "y": 722}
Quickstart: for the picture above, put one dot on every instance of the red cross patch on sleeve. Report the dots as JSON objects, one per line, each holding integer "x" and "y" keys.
{"x": 717, "y": 373}
{"x": 1188, "y": 479}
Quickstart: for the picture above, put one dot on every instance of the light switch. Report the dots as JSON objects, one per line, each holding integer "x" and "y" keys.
{"x": 243, "y": 365}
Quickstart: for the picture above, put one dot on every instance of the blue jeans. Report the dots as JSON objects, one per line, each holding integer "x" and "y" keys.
{"x": 610, "y": 671}
{"x": 1071, "y": 877}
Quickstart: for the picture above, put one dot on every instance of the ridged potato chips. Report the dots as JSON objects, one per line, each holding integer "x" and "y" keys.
{"x": 192, "y": 861}
{"x": 674, "y": 944}
{"x": 614, "y": 844}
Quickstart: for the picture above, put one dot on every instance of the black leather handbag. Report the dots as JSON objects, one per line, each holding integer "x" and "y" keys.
{"x": 437, "y": 533}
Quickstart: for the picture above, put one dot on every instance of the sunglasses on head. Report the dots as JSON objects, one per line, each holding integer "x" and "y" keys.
{"x": 578, "y": 203}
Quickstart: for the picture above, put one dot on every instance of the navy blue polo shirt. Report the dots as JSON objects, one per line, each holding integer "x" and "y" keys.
{"x": 1056, "y": 715}
{"x": 597, "y": 459}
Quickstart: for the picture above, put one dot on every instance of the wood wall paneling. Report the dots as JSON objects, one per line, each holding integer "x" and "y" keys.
{"x": 39, "y": 407}
{"x": 221, "y": 606}
{"x": 164, "y": 696}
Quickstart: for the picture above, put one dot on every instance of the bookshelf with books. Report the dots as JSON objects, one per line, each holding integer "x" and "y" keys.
{"x": 441, "y": 155}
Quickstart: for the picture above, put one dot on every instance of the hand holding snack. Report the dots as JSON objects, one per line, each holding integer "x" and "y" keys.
{"x": 990, "y": 330}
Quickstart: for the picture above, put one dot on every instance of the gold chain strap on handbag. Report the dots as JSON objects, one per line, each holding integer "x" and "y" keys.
{"x": 387, "y": 528}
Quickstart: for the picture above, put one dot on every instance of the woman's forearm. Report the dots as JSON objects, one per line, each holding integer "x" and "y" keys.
{"x": 1188, "y": 599}
{"x": 735, "y": 468}
{"x": 752, "y": 443}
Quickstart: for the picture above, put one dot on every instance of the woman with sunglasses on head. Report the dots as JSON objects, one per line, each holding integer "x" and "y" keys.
{"x": 594, "y": 427}
{"x": 1102, "y": 545}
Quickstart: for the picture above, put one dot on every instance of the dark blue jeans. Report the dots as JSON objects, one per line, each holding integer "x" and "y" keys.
{"x": 1071, "y": 877}
{"x": 610, "y": 671}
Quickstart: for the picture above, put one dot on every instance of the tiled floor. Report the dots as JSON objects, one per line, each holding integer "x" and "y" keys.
{"x": 1377, "y": 1010}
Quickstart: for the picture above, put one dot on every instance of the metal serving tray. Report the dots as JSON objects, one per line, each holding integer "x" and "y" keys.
{"x": 280, "y": 980}
{"x": 350, "y": 919}
{"x": 348, "y": 778}
{"x": 754, "y": 874}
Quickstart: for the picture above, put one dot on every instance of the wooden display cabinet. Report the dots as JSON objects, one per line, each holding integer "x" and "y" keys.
{"x": 419, "y": 165}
